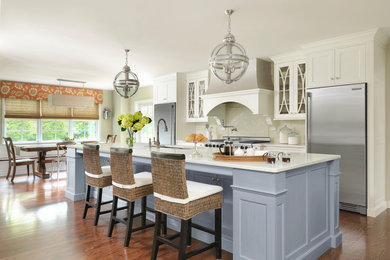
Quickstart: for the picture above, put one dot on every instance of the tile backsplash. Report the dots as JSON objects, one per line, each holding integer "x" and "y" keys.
{"x": 248, "y": 124}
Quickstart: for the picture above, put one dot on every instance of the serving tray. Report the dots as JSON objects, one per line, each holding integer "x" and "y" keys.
{"x": 232, "y": 158}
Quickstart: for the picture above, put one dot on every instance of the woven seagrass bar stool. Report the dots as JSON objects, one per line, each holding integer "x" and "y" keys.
{"x": 96, "y": 176}
{"x": 129, "y": 187}
{"x": 175, "y": 196}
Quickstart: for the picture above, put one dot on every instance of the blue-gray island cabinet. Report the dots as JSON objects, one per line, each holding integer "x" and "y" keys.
{"x": 282, "y": 211}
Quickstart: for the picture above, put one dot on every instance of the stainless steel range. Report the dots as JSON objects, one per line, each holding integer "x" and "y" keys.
{"x": 238, "y": 141}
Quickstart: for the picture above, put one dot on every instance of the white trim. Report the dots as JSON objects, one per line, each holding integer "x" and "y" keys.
{"x": 259, "y": 101}
{"x": 348, "y": 39}
{"x": 123, "y": 186}
{"x": 136, "y": 108}
{"x": 378, "y": 209}
{"x": 141, "y": 102}
{"x": 98, "y": 176}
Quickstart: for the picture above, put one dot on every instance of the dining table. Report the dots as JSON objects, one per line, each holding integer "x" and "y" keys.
{"x": 41, "y": 150}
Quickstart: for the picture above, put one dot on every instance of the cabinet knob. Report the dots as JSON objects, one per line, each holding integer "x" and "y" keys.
{"x": 331, "y": 78}
{"x": 337, "y": 77}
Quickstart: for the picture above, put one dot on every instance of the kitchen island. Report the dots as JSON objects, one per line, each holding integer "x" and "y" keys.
{"x": 282, "y": 211}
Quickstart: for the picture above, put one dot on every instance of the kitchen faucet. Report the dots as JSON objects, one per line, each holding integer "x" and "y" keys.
{"x": 158, "y": 130}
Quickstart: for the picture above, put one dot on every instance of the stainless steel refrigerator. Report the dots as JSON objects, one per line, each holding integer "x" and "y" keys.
{"x": 167, "y": 112}
{"x": 336, "y": 124}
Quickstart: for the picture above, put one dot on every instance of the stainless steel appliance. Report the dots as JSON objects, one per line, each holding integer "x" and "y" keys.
{"x": 336, "y": 124}
{"x": 168, "y": 113}
{"x": 242, "y": 141}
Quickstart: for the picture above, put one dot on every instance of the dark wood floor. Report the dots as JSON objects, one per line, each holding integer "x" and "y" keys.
{"x": 37, "y": 222}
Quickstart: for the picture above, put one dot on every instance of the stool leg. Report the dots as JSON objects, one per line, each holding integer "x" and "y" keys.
{"x": 183, "y": 239}
{"x": 98, "y": 206}
{"x": 113, "y": 214}
{"x": 165, "y": 223}
{"x": 156, "y": 243}
{"x": 143, "y": 212}
{"x": 28, "y": 170}
{"x": 86, "y": 199}
{"x": 218, "y": 233}
{"x": 129, "y": 225}
{"x": 189, "y": 233}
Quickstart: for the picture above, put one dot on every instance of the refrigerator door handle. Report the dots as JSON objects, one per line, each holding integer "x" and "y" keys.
{"x": 308, "y": 122}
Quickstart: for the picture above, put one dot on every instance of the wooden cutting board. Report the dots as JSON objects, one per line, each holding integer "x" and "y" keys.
{"x": 232, "y": 158}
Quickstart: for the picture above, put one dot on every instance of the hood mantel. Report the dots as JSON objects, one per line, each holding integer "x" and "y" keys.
{"x": 254, "y": 90}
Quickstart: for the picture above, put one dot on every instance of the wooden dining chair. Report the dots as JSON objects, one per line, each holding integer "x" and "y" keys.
{"x": 13, "y": 162}
{"x": 111, "y": 139}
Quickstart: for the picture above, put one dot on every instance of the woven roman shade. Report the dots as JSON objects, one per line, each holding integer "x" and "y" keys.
{"x": 86, "y": 113}
{"x": 50, "y": 112}
{"x": 21, "y": 108}
{"x": 39, "y": 109}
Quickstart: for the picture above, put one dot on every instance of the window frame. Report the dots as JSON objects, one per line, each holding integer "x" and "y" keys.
{"x": 39, "y": 127}
{"x": 137, "y": 105}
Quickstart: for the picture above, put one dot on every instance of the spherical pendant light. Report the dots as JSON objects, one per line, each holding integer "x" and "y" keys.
{"x": 228, "y": 61}
{"x": 126, "y": 82}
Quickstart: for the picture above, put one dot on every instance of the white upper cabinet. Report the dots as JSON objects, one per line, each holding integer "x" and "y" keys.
{"x": 344, "y": 65}
{"x": 197, "y": 84}
{"x": 350, "y": 64}
{"x": 165, "y": 89}
{"x": 320, "y": 68}
{"x": 289, "y": 87}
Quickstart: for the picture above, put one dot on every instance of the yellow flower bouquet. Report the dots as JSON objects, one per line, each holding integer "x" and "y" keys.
{"x": 132, "y": 123}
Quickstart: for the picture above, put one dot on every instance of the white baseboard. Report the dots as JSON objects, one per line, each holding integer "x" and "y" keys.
{"x": 378, "y": 209}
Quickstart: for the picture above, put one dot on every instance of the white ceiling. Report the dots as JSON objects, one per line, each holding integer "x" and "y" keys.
{"x": 43, "y": 40}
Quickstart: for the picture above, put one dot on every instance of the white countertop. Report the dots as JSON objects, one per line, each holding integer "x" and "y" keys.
{"x": 298, "y": 160}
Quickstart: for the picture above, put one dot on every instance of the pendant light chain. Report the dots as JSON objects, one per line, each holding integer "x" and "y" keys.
{"x": 126, "y": 82}
{"x": 229, "y": 21}
{"x": 228, "y": 61}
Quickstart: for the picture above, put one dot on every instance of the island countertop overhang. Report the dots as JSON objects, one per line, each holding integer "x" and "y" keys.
{"x": 298, "y": 160}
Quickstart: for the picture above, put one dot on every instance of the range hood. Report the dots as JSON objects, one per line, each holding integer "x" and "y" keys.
{"x": 254, "y": 90}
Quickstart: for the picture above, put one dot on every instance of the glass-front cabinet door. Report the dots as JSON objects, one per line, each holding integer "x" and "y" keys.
{"x": 300, "y": 74}
{"x": 197, "y": 84}
{"x": 290, "y": 90}
{"x": 201, "y": 91}
{"x": 191, "y": 99}
{"x": 284, "y": 91}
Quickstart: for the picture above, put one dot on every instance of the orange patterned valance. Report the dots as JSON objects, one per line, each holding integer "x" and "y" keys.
{"x": 21, "y": 90}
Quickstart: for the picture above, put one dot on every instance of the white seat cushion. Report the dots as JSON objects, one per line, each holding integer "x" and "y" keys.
{"x": 106, "y": 171}
{"x": 196, "y": 190}
{"x": 140, "y": 179}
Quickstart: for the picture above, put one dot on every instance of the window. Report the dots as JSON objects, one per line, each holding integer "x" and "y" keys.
{"x": 146, "y": 108}
{"x": 55, "y": 130}
{"x": 84, "y": 129}
{"x": 21, "y": 130}
{"x": 43, "y": 130}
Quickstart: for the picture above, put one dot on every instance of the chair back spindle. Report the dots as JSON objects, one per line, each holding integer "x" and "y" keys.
{"x": 10, "y": 148}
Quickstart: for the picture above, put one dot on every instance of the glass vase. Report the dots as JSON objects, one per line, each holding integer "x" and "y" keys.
{"x": 131, "y": 139}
